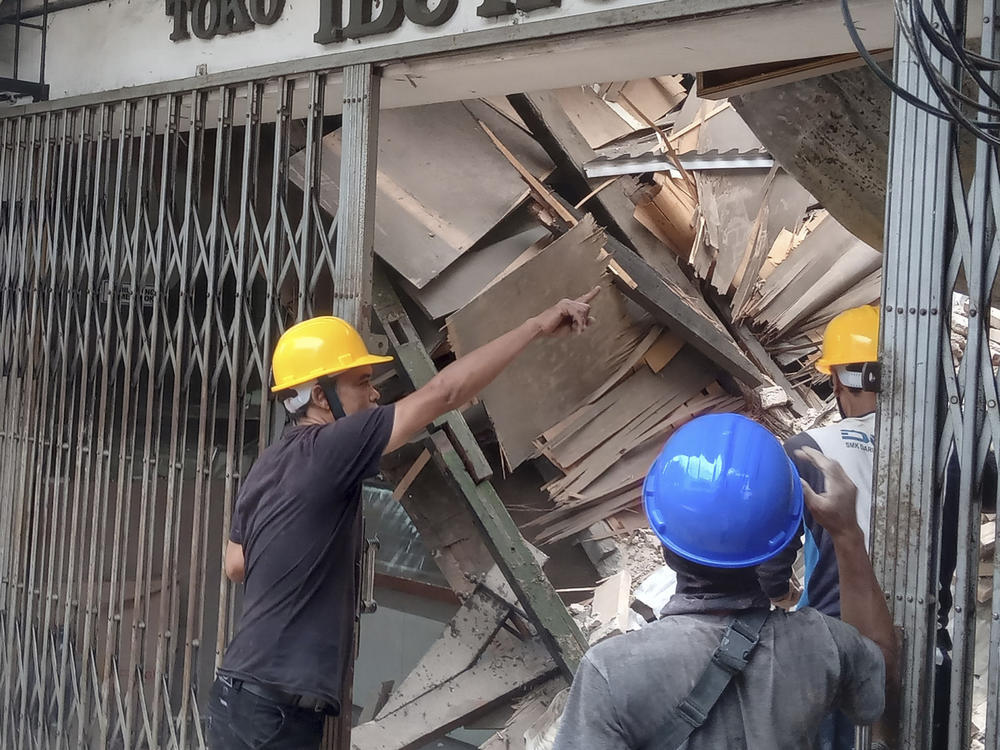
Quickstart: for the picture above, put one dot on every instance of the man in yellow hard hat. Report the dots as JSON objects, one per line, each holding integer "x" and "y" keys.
{"x": 296, "y": 529}
{"x": 850, "y": 357}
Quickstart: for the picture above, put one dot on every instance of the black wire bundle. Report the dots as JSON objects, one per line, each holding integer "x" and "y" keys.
{"x": 938, "y": 34}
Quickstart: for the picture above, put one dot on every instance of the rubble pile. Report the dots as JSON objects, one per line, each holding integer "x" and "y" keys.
{"x": 719, "y": 272}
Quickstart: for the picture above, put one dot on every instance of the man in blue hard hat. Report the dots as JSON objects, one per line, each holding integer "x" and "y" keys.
{"x": 720, "y": 669}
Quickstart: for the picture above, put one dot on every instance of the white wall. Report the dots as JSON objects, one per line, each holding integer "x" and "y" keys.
{"x": 107, "y": 46}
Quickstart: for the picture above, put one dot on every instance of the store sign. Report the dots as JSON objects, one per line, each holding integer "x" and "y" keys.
{"x": 210, "y": 18}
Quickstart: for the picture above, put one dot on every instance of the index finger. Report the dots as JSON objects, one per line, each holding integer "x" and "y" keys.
{"x": 585, "y": 299}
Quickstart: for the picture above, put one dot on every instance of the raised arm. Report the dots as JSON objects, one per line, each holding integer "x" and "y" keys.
{"x": 460, "y": 381}
{"x": 862, "y": 602}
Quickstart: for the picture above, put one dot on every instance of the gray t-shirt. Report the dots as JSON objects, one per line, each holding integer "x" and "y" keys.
{"x": 298, "y": 517}
{"x": 805, "y": 665}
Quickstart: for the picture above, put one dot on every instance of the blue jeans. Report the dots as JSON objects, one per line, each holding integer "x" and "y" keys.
{"x": 238, "y": 720}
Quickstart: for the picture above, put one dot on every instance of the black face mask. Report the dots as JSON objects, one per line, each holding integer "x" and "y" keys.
{"x": 695, "y": 579}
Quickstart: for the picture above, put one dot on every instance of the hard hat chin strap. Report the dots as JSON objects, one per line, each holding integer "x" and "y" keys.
{"x": 868, "y": 379}
{"x": 329, "y": 386}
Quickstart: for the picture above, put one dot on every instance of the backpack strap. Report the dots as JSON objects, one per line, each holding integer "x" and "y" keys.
{"x": 729, "y": 659}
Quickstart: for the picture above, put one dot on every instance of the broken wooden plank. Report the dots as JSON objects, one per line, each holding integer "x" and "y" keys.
{"x": 508, "y": 667}
{"x": 611, "y": 603}
{"x": 598, "y": 123}
{"x": 460, "y": 645}
{"x": 468, "y": 276}
{"x": 649, "y": 290}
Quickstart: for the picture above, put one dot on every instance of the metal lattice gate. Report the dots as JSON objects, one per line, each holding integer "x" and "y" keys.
{"x": 939, "y": 408}
{"x": 151, "y": 252}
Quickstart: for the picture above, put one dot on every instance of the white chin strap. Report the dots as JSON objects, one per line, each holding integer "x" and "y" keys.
{"x": 849, "y": 378}
{"x": 302, "y": 395}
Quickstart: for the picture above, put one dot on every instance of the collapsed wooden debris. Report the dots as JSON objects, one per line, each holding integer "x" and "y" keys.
{"x": 718, "y": 274}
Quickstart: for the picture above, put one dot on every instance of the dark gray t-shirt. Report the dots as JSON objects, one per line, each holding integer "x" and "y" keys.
{"x": 805, "y": 665}
{"x": 298, "y": 517}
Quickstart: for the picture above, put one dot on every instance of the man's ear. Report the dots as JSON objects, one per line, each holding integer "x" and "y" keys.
{"x": 319, "y": 398}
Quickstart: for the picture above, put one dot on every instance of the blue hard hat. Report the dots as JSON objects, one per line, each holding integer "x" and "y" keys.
{"x": 723, "y": 493}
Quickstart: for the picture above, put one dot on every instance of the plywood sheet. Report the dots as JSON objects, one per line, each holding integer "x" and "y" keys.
{"x": 442, "y": 184}
{"x": 652, "y": 98}
{"x": 554, "y": 376}
{"x": 598, "y": 123}
{"x": 726, "y": 131}
{"x": 464, "y": 279}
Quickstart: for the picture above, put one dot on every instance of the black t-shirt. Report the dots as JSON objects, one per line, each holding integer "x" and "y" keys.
{"x": 298, "y": 517}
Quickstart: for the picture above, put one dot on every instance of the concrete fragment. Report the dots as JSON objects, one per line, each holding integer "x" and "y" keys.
{"x": 654, "y": 592}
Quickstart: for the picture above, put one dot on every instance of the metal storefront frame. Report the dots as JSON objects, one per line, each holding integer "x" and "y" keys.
{"x": 151, "y": 251}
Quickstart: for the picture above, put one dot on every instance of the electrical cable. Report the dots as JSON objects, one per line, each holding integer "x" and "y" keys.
{"x": 921, "y": 32}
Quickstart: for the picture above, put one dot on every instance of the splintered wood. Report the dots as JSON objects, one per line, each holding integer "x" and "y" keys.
{"x": 605, "y": 447}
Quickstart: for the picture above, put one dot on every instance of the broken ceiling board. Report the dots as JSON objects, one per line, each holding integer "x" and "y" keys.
{"x": 612, "y": 599}
{"x": 442, "y": 184}
{"x": 725, "y": 132}
{"x": 604, "y": 467}
{"x": 689, "y": 119}
{"x": 597, "y": 122}
{"x": 468, "y": 276}
{"x": 644, "y": 101}
{"x": 731, "y": 203}
{"x": 780, "y": 249}
{"x": 652, "y": 98}
{"x": 866, "y": 292}
{"x": 621, "y": 487}
{"x": 632, "y": 401}
{"x": 630, "y": 365}
{"x": 554, "y": 375}
{"x": 629, "y": 401}
{"x": 855, "y": 265}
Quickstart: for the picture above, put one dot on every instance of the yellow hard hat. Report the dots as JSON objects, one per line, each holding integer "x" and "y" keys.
{"x": 850, "y": 338}
{"x": 318, "y": 347}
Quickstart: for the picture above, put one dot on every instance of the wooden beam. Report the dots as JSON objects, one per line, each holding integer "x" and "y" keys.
{"x": 638, "y": 281}
{"x": 458, "y": 455}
